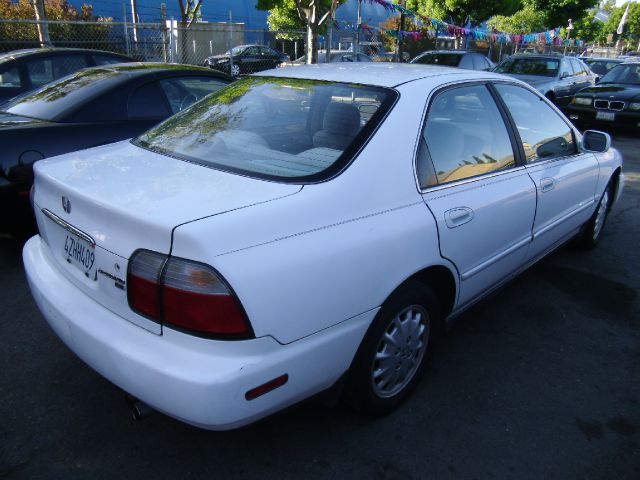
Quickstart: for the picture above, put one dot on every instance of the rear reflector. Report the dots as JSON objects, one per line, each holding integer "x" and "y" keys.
{"x": 186, "y": 294}
{"x": 266, "y": 387}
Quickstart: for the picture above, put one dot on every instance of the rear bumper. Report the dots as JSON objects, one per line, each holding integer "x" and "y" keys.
{"x": 199, "y": 381}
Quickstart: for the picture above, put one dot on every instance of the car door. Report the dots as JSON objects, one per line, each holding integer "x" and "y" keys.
{"x": 565, "y": 177}
{"x": 565, "y": 87}
{"x": 251, "y": 60}
{"x": 583, "y": 77}
{"x": 481, "y": 197}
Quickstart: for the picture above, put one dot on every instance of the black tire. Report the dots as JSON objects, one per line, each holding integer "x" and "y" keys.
{"x": 592, "y": 231}
{"x": 365, "y": 391}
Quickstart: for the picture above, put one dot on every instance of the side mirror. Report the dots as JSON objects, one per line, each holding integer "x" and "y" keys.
{"x": 597, "y": 79}
{"x": 595, "y": 141}
{"x": 564, "y": 75}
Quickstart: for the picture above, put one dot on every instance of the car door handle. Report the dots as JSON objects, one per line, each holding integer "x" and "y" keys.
{"x": 458, "y": 216}
{"x": 547, "y": 184}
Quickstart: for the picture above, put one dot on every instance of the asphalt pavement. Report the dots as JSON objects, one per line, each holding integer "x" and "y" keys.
{"x": 542, "y": 380}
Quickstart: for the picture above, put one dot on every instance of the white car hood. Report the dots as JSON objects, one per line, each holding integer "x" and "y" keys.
{"x": 126, "y": 197}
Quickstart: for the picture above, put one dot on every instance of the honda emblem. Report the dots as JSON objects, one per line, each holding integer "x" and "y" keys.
{"x": 66, "y": 204}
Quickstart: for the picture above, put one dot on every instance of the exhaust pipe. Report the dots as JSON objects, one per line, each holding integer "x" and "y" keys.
{"x": 139, "y": 409}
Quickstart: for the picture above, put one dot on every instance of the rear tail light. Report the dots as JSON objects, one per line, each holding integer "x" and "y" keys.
{"x": 186, "y": 294}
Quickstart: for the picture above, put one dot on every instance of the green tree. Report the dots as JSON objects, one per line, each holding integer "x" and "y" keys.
{"x": 558, "y": 12}
{"x": 632, "y": 28}
{"x": 309, "y": 14}
{"x": 461, "y": 12}
{"x": 589, "y": 29}
{"x": 523, "y": 21}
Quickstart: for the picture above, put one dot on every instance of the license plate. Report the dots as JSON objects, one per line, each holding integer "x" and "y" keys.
{"x": 609, "y": 116}
{"x": 81, "y": 254}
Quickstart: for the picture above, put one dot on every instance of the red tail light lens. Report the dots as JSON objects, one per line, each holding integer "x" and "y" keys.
{"x": 186, "y": 294}
{"x": 143, "y": 282}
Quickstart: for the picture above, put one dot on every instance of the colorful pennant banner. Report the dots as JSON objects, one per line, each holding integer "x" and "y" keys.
{"x": 550, "y": 37}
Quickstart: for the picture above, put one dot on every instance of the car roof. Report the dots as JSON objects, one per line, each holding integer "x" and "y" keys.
{"x": 15, "y": 54}
{"x": 381, "y": 74}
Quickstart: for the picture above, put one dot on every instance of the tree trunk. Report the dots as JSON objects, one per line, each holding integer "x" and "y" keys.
{"x": 312, "y": 43}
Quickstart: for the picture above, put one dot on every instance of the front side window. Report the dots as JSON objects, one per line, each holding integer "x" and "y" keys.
{"x": 46, "y": 70}
{"x": 543, "y": 133}
{"x": 464, "y": 137}
{"x": 543, "y": 67}
{"x": 10, "y": 78}
{"x": 566, "y": 70}
{"x": 147, "y": 102}
{"x": 184, "y": 91}
{"x": 279, "y": 128}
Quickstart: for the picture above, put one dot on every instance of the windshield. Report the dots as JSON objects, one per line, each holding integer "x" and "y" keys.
{"x": 276, "y": 128}
{"x": 601, "y": 67}
{"x": 624, "y": 73}
{"x": 544, "y": 67}
{"x": 446, "y": 59}
{"x": 54, "y": 100}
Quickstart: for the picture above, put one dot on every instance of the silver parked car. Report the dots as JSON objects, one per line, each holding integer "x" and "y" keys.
{"x": 557, "y": 77}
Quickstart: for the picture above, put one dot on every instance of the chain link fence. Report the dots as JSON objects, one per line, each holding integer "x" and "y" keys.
{"x": 220, "y": 45}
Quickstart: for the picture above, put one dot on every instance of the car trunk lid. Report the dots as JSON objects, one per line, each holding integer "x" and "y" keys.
{"x": 96, "y": 207}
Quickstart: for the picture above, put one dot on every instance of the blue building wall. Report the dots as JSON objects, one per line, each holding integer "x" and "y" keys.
{"x": 218, "y": 11}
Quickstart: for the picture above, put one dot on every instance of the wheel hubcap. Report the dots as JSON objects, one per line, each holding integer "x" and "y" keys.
{"x": 601, "y": 215}
{"x": 235, "y": 70}
{"x": 400, "y": 351}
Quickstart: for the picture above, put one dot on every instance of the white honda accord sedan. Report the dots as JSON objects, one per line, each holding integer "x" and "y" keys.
{"x": 306, "y": 229}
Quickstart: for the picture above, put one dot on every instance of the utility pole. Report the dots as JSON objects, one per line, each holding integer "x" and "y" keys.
{"x": 43, "y": 27}
{"x": 134, "y": 19}
{"x": 163, "y": 15}
{"x": 358, "y": 24}
{"x": 400, "y": 30}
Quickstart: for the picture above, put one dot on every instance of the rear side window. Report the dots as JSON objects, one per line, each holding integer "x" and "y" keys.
{"x": 10, "y": 78}
{"x": 148, "y": 102}
{"x": 48, "y": 69}
{"x": 543, "y": 133}
{"x": 464, "y": 137}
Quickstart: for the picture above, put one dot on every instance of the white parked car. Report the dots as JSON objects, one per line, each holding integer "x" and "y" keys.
{"x": 306, "y": 228}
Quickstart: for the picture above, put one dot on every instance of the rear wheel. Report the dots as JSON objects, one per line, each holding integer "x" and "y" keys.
{"x": 394, "y": 352}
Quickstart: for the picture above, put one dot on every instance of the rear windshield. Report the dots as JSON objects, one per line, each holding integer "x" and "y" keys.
{"x": 275, "y": 128}
{"x": 446, "y": 59}
{"x": 544, "y": 67}
{"x": 56, "y": 99}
